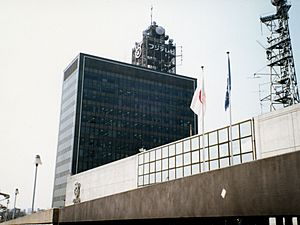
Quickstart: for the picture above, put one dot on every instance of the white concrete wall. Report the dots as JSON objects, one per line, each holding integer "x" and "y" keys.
{"x": 278, "y": 132}
{"x": 112, "y": 178}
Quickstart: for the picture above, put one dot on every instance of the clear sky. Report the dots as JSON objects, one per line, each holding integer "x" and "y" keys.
{"x": 39, "y": 38}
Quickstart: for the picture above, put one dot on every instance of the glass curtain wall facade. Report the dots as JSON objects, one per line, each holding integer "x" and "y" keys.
{"x": 185, "y": 157}
{"x": 121, "y": 108}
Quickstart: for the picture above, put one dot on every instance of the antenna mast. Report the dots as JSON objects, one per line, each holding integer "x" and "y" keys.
{"x": 283, "y": 81}
{"x": 180, "y": 56}
{"x": 151, "y": 13}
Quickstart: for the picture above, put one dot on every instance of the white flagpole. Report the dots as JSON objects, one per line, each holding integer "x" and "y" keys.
{"x": 230, "y": 117}
{"x": 202, "y": 112}
{"x": 199, "y": 100}
{"x": 231, "y": 149}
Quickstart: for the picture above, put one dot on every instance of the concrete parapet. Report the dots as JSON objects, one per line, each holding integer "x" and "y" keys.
{"x": 267, "y": 188}
{"x": 278, "y": 132}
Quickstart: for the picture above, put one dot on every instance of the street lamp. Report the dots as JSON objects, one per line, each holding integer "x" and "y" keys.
{"x": 6, "y": 216}
{"x": 37, "y": 162}
{"x": 14, "y": 212}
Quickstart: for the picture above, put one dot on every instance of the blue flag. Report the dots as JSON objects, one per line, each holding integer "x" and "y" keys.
{"x": 228, "y": 90}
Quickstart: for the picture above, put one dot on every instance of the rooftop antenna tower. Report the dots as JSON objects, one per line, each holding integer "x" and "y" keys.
{"x": 156, "y": 50}
{"x": 283, "y": 81}
{"x": 180, "y": 56}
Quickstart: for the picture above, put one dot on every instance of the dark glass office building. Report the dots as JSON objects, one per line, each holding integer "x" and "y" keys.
{"x": 112, "y": 109}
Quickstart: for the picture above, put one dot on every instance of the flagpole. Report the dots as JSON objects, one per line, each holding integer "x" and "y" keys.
{"x": 230, "y": 117}
{"x": 198, "y": 107}
{"x": 231, "y": 149}
{"x": 202, "y": 112}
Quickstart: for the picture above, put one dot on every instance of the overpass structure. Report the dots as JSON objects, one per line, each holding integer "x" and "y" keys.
{"x": 172, "y": 185}
{"x": 249, "y": 193}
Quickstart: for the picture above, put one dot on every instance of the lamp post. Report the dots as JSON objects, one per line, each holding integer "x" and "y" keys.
{"x": 37, "y": 162}
{"x": 6, "y": 214}
{"x": 14, "y": 212}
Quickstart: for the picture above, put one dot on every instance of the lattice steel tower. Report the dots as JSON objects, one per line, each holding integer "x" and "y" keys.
{"x": 155, "y": 51}
{"x": 283, "y": 87}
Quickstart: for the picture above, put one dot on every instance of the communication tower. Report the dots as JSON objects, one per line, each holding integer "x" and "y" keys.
{"x": 156, "y": 50}
{"x": 283, "y": 81}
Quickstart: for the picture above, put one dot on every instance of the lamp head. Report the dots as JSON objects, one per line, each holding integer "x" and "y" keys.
{"x": 38, "y": 160}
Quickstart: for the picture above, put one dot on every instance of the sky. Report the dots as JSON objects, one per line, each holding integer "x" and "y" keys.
{"x": 39, "y": 38}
